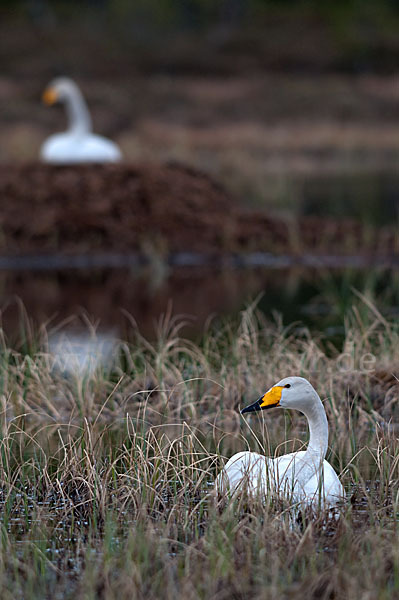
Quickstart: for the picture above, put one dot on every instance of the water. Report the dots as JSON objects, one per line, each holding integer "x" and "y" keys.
{"x": 369, "y": 197}
{"x": 81, "y": 353}
{"x": 86, "y": 310}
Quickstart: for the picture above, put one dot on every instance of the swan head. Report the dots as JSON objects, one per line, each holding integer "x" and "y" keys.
{"x": 59, "y": 90}
{"x": 290, "y": 392}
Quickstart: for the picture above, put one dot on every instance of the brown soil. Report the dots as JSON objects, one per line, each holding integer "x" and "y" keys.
{"x": 157, "y": 210}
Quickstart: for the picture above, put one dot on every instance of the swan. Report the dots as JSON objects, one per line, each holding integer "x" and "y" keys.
{"x": 78, "y": 144}
{"x": 301, "y": 477}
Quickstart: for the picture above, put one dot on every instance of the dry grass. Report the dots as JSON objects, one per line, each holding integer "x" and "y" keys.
{"x": 105, "y": 476}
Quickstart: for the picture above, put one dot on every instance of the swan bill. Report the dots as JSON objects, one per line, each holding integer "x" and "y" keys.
{"x": 269, "y": 400}
{"x": 50, "y": 96}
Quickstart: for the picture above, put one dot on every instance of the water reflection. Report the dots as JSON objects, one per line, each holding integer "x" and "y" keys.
{"x": 110, "y": 299}
{"x": 80, "y": 353}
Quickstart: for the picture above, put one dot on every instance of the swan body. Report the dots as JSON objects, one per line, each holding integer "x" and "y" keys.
{"x": 301, "y": 477}
{"x": 78, "y": 144}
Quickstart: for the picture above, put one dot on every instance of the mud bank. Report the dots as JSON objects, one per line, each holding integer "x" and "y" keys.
{"x": 156, "y": 211}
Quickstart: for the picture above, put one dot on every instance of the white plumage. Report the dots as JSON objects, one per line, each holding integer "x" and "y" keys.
{"x": 301, "y": 477}
{"x": 78, "y": 144}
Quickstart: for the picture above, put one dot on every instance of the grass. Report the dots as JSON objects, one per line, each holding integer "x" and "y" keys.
{"x": 105, "y": 476}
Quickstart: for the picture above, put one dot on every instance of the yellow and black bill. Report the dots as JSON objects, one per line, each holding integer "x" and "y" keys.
{"x": 269, "y": 400}
{"x": 50, "y": 96}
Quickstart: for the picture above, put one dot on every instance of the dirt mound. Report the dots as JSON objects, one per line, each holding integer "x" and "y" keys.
{"x": 113, "y": 207}
{"x": 152, "y": 209}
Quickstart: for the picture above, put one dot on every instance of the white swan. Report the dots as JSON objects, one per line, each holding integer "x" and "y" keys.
{"x": 299, "y": 476}
{"x": 78, "y": 144}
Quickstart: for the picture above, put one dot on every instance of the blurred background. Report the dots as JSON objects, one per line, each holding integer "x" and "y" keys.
{"x": 281, "y": 117}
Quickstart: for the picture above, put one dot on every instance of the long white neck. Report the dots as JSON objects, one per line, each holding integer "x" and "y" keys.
{"x": 318, "y": 430}
{"x": 79, "y": 121}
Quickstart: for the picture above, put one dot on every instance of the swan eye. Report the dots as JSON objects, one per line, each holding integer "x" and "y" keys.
{"x": 287, "y": 385}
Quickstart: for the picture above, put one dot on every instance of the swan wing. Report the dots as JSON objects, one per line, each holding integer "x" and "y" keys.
{"x": 326, "y": 488}
{"x": 290, "y": 475}
{"x": 246, "y": 470}
{"x": 67, "y": 148}
{"x": 97, "y": 148}
{"x": 301, "y": 480}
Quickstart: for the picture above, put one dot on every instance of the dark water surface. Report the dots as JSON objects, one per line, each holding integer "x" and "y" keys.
{"x": 369, "y": 197}
{"x": 110, "y": 299}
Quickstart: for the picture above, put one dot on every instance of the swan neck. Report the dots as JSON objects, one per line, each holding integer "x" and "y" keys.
{"x": 318, "y": 430}
{"x": 79, "y": 120}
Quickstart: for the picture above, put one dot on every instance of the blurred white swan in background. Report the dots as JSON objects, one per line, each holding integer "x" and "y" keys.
{"x": 78, "y": 144}
{"x": 301, "y": 477}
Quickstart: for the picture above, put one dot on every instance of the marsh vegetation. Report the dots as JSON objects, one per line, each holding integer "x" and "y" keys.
{"x": 111, "y": 439}
{"x": 106, "y": 475}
